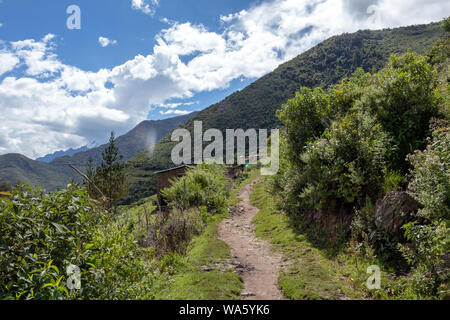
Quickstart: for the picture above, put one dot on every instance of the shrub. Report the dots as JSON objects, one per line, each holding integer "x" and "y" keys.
{"x": 430, "y": 185}
{"x": 346, "y": 164}
{"x": 206, "y": 185}
{"x": 404, "y": 99}
{"x": 310, "y": 112}
{"x": 171, "y": 232}
{"x": 42, "y": 234}
{"x": 394, "y": 181}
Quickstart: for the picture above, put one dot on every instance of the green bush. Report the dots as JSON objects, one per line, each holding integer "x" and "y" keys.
{"x": 430, "y": 185}
{"x": 206, "y": 185}
{"x": 346, "y": 164}
{"x": 403, "y": 97}
{"x": 338, "y": 144}
{"x": 171, "y": 232}
{"x": 310, "y": 112}
{"x": 42, "y": 234}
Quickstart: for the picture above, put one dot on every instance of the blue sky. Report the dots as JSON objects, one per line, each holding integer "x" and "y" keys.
{"x": 147, "y": 59}
{"x": 134, "y": 32}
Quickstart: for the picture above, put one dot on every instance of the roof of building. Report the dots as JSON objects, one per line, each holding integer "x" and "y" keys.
{"x": 175, "y": 168}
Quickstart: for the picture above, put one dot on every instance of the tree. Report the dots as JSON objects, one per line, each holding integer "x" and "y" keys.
{"x": 446, "y": 24}
{"x": 110, "y": 176}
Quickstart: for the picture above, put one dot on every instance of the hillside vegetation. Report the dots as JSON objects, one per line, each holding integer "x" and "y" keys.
{"x": 57, "y": 174}
{"x": 256, "y": 105}
{"x": 136, "y": 254}
{"x": 365, "y": 165}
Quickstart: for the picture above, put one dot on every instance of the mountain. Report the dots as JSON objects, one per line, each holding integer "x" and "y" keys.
{"x": 143, "y": 136}
{"x": 256, "y": 105}
{"x": 56, "y": 174}
{"x": 50, "y": 157}
{"x": 18, "y": 168}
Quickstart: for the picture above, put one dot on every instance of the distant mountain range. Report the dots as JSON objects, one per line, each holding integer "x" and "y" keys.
{"x": 50, "y": 157}
{"x": 56, "y": 173}
{"x": 256, "y": 105}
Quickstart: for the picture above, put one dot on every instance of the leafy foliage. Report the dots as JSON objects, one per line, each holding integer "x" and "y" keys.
{"x": 430, "y": 185}
{"x": 206, "y": 185}
{"x": 347, "y": 163}
{"x": 339, "y": 144}
{"x": 42, "y": 234}
{"x": 193, "y": 199}
{"x": 404, "y": 99}
{"x": 349, "y": 145}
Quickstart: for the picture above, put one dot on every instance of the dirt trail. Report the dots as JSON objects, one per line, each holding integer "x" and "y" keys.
{"x": 252, "y": 257}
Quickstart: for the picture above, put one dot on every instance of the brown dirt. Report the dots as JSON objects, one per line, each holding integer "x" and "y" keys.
{"x": 253, "y": 258}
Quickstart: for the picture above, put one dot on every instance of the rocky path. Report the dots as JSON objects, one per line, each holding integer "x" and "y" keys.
{"x": 252, "y": 257}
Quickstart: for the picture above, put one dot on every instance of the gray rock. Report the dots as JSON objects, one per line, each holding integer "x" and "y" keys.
{"x": 394, "y": 210}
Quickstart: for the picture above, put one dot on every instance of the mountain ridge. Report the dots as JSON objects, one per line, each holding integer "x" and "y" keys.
{"x": 16, "y": 167}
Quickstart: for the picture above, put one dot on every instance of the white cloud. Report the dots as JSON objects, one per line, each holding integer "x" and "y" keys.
{"x": 144, "y": 6}
{"x": 8, "y": 62}
{"x": 54, "y": 106}
{"x": 176, "y": 104}
{"x": 175, "y": 112}
{"x": 1, "y": 24}
{"x": 104, "y": 42}
{"x": 38, "y": 56}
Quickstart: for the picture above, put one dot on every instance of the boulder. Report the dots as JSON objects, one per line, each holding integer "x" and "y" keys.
{"x": 394, "y": 210}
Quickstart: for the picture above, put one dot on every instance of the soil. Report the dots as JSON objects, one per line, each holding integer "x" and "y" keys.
{"x": 252, "y": 257}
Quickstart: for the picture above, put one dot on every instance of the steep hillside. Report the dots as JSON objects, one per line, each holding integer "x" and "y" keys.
{"x": 255, "y": 106}
{"x": 16, "y": 167}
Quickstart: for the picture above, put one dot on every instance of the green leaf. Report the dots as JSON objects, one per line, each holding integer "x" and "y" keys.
{"x": 60, "y": 228}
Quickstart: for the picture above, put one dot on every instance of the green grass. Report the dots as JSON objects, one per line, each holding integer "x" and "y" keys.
{"x": 309, "y": 274}
{"x": 190, "y": 282}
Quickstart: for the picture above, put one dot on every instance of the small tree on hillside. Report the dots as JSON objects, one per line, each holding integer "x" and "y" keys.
{"x": 109, "y": 176}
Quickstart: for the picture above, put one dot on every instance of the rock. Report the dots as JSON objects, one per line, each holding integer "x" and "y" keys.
{"x": 248, "y": 294}
{"x": 395, "y": 210}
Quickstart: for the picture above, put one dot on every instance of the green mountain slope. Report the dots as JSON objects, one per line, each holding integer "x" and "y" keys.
{"x": 16, "y": 167}
{"x": 255, "y": 106}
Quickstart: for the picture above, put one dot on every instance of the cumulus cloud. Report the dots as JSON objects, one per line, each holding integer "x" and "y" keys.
{"x": 54, "y": 106}
{"x": 8, "y": 62}
{"x": 175, "y": 112}
{"x": 144, "y": 6}
{"x": 104, "y": 42}
{"x": 176, "y": 104}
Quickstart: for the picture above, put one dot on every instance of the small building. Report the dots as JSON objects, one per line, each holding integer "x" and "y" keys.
{"x": 164, "y": 178}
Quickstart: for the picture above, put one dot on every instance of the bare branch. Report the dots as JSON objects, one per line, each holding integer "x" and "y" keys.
{"x": 88, "y": 180}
